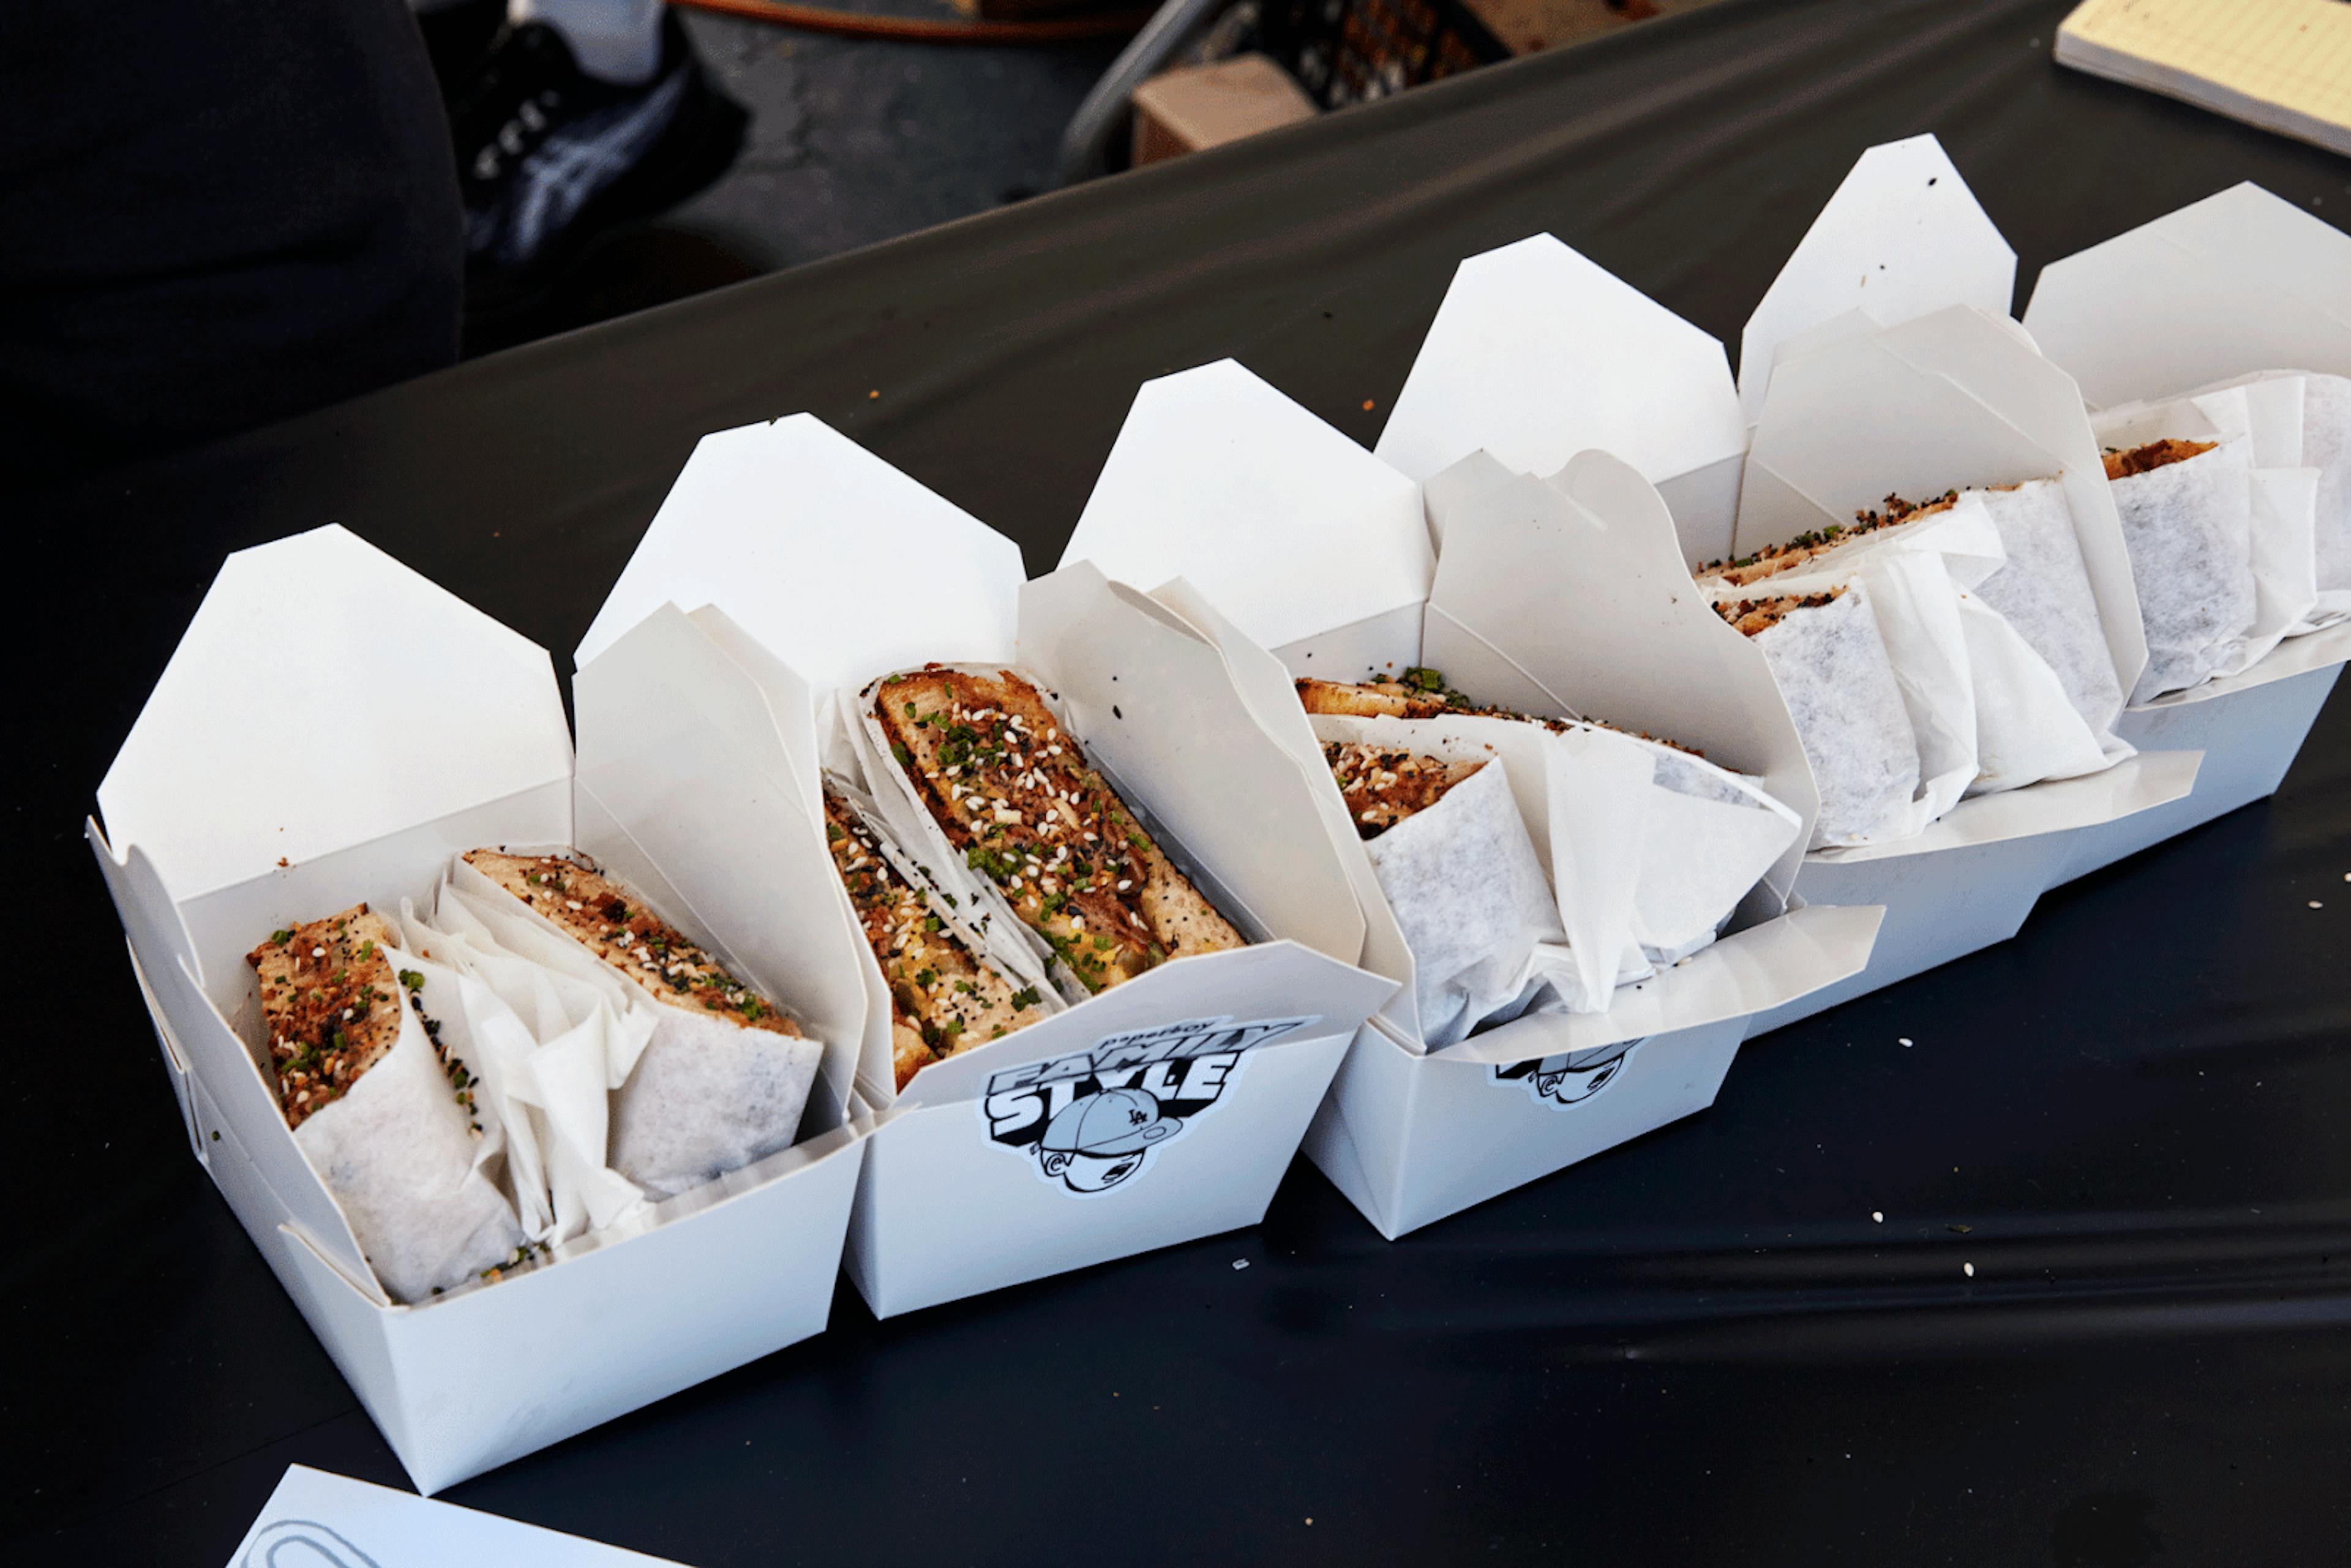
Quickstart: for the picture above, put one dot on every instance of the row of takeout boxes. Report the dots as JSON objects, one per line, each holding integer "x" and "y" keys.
{"x": 333, "y": 727}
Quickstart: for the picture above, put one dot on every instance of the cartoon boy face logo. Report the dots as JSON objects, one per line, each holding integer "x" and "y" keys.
{"x": 1573, "y": 1077}
{"x": 1098, "y": 1141}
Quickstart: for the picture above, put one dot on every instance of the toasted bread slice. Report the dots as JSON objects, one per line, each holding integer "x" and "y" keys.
{"x": 942, "y": 1000}
{"x": 1422, "y": 694}
{"x": 1383, "y": 785}
{"x": 2154, "y": 454}
{"x": 1014, "y": 796}
{"x": 331, "y": 1004}
{"x": 607, "y": 919}
{"x": 1750, "y": 616}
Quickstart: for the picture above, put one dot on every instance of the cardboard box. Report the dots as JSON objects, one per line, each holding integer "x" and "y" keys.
{"x": 1301, "y": 554}
{"x": 334, "y": 728}
{"x": 2238, "y": 282}
{"x": 843, "y": 570}
{"x": 1196, "y": 107}
{"x": 1537, "y": 354}
{"x": 1950, "y": 400}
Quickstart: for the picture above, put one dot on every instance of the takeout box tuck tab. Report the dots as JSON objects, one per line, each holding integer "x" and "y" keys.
{"x": 1903, "y": 237}
{"x": 1285, "y": 524}
{"x": 1537, "y": 354}
{"x": 835, "y": 562}
{"x": 253, "y": 751}
{"x": 2240, "y": 281}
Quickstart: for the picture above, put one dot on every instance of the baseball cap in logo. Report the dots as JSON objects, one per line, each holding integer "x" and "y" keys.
{"x": 1105, "y": 1125}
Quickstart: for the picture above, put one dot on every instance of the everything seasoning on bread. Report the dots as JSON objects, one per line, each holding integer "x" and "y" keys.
{"x": 607, "y": 920}
{"x": 331, "y": 1004}
{"x": 1015, "y": 798}
{"x": 1773, "y": 560}
{"x": 941, "y": 1000}
{"x": 1422, "y": 692}
{"x": 1384, "y": 785}
{"x": 1750, "y": 616}
{"x": 2153, "y": 456}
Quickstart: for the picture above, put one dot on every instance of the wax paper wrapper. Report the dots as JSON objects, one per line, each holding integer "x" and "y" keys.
{"x": 2044, "y": 592}
{"x": 982, "y": 916}
{"x": 2188, "y": 528}
{"x": 1834, "y": 672}
{"x": 1711, "y": 835}
{"x": 704, "y": 1096}
{"x": 1644, "y": 851}
{"x": 2300, "y": 453}
{"x": 1472, "y": 901}
{"x": 553, "y": 1048}
{"x": 417, "y": 1183}
{"x": 2022, "y": 727}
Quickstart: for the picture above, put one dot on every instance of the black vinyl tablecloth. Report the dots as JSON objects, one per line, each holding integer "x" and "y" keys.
{"x": 1701, "y": 1347}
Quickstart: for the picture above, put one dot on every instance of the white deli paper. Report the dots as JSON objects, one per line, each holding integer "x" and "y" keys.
{"x": 1641, "y": 851}
{"x": 2044, "y": 592}
{"x": 703, "y": 1096}
{"x": 399, "y": 1156}
{"x": 2189, "y": 528}
{"x": 1831, "y": 664}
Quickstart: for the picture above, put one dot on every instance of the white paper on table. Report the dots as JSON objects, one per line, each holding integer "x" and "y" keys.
{"x": 314, "y": 1520}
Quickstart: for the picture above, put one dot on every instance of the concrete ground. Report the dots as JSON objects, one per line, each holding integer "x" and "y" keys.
{"x": 852, "y": 141}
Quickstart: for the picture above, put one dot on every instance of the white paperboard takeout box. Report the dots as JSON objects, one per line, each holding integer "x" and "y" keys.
{"x": 1254, "y": 508}
{"x": 2239, "y": 283}
{"x": 844, "y": 569}
{"x": 1537, "y": 354}
{"x": 1952, "y": 399}
{"x": 334, "y": 728}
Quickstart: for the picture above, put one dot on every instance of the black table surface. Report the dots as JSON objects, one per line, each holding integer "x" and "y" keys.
{"x": 1700, "y": 1347}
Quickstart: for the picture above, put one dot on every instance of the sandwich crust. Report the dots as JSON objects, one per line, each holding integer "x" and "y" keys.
{"x": 1015, "y": 797}
{"x": 1422, "y": 694}
{"x": 608, "y": 920}
{"x": 1750, "y": 616}
{"x": 941, "y": 999}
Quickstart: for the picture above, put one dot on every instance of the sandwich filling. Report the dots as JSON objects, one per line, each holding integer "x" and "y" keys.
{"x": 1383, "y": 785}
{"x": 1025, "y": 809}
{"x": 2153, "y": 456}
{"x": 941, "y": 1000}
{"x": 605, "y": 918}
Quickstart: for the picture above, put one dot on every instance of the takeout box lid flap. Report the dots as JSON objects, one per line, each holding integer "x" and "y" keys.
{"x": 1902, "y": 237}
{"x": 1537, "y": 353}
{"x": 2240, "y": 281}
{"x": 326, "y": 695}
{"x": 835, "y": 562}
{"x": 1766, "y": 966}
{"x": 1286, "y": 524}
{"x": 1954, "y": 398}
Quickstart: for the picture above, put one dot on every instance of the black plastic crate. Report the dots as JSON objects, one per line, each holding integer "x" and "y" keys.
{"x": 1352, "y": 51}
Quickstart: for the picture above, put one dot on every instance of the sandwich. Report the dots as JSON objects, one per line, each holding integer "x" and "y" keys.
{"x": 1834, "y": 672}
{"x": 724, "y": 1073}
{"x": 942, "y": 999}
{"x": 2187, "y": 515}
{"x": 1017, "y": 800}
{"x": 384, "y": 1112}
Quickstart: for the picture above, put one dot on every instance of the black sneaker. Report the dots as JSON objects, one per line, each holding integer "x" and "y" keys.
{"x": 548, "y": 157}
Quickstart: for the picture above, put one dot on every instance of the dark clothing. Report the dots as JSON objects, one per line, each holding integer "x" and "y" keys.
{"x": 212, "y": 213}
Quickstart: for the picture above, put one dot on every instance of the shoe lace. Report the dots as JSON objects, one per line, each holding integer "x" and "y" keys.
{"x": 510, "y": 110}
